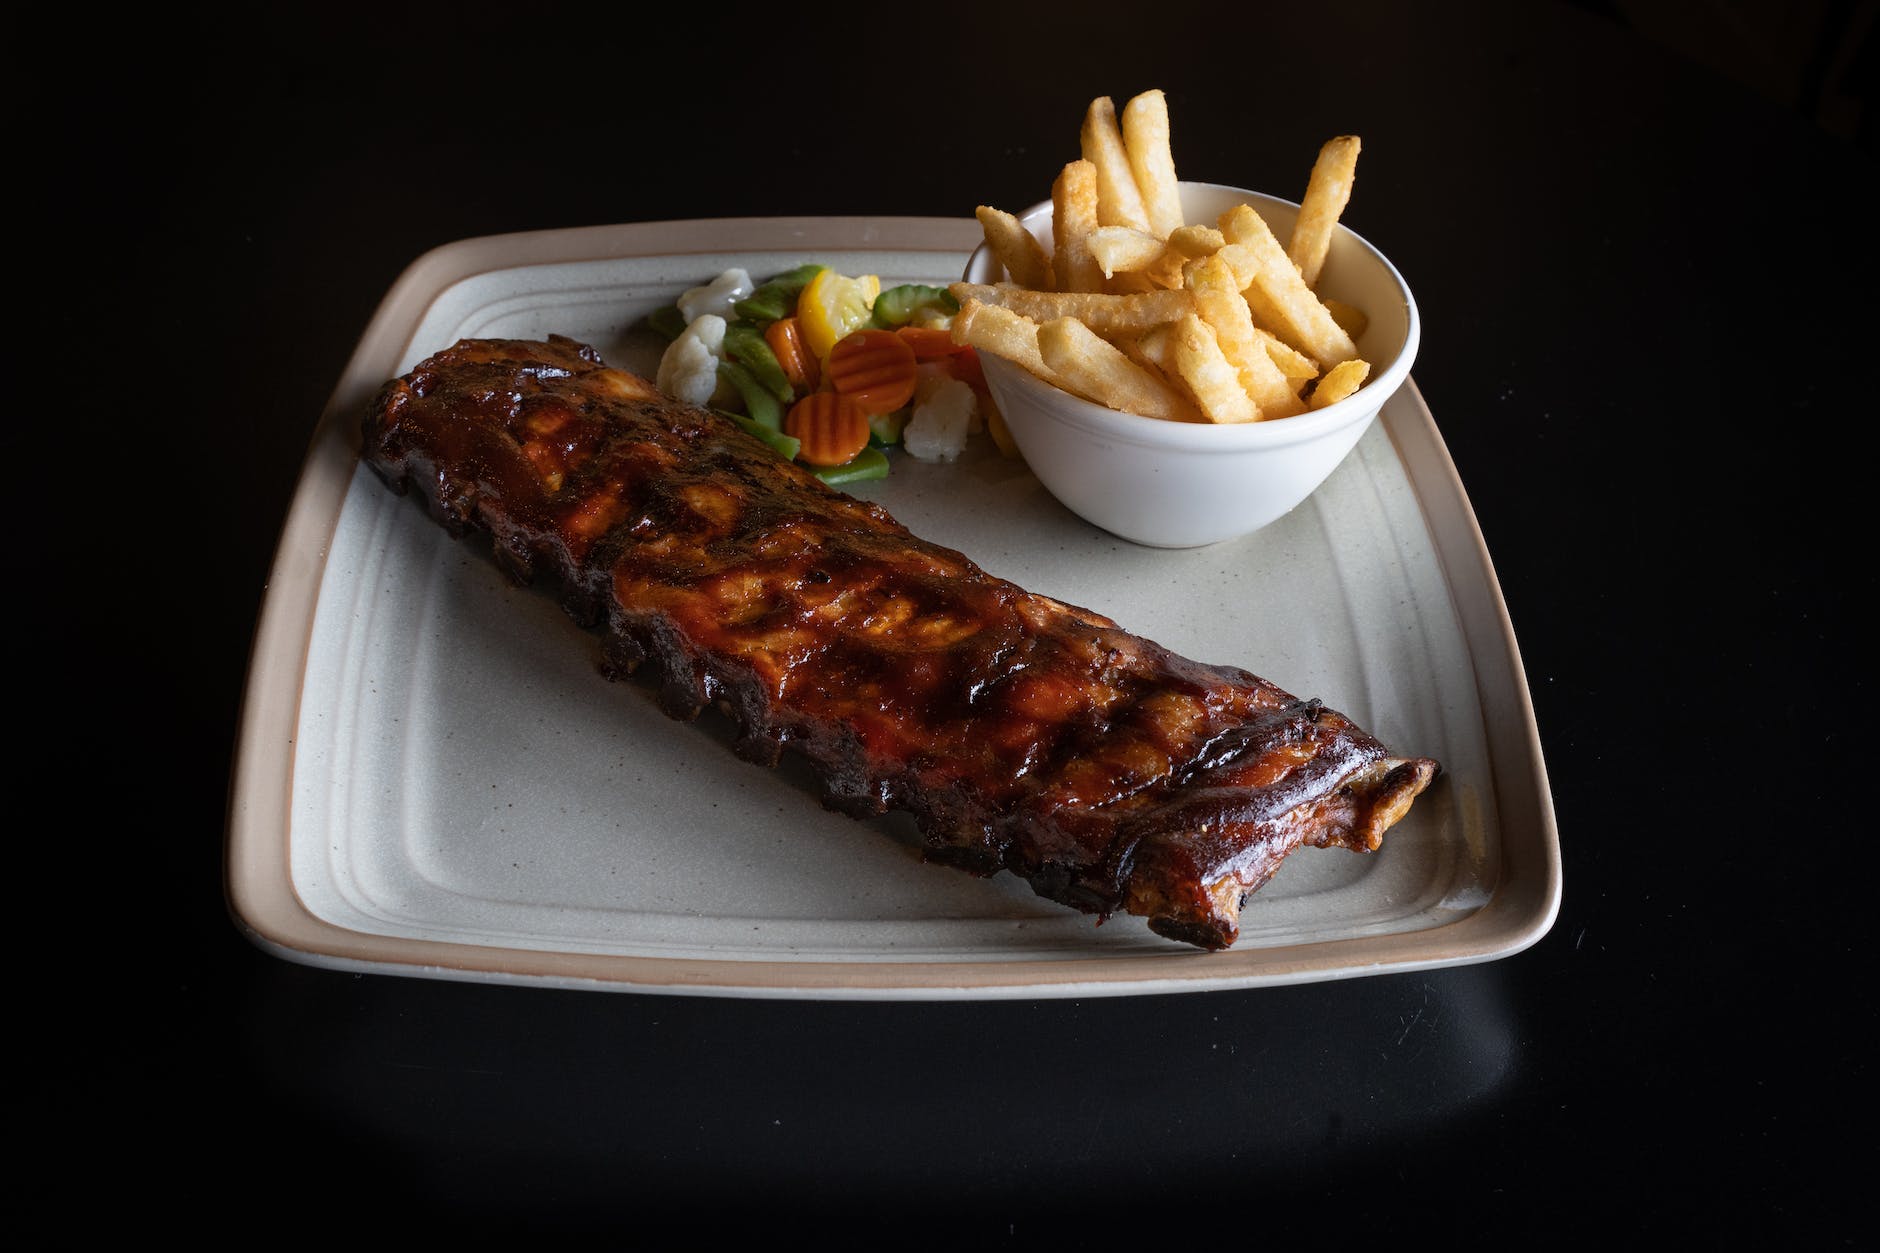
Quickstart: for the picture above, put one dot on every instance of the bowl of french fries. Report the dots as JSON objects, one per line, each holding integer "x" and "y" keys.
{"x": 1182, "y": 363}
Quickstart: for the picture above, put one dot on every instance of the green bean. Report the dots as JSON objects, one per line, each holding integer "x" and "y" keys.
{"x": 764, "y": 305}
{"x": 746, "y": 343}
{"x": 870, "y": 463}
{"x": 776, "y": 298}
{"x": 759, "y": 403}
{"x": 784, "y": 445}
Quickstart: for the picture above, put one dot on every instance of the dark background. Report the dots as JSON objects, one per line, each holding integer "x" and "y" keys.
{"x": 1640, "y": 239}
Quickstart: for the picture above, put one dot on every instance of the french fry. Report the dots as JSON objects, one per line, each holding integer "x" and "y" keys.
{"x": 1328, "y": 190}
{"x": 1130, "y": 281}
{"x": 1128, "y": 306}
{"x": 1118, "y": 201}
{"x": 1132, "y": 348}
{"x": 1146, "y": 137}
{"x": 1073, "y": 217}
{"x": 1154, "y": 348}
{"x": 1154, "y": 351}
{"x": 1197, "y": 241}
{"x": 1104, "y": 313}
{"x": 1184, "y": 245}
{"x": 1017, "y": 249}
{"x": 1293, "y": 313}
{"x": 991, "y": 328}
{"x": 1096, "y": 369}
{"x": 1120, "y": 248}
{"x": 1218, "y": 302}
{"x": 1339, "y": 382}
{"x": 1240, "y": 258}
{"x": 1211, "y": 377}
{"x": 1298, "y": 368}
{"x": 1352, "y": 318}
{"x": 1267, "y": 317}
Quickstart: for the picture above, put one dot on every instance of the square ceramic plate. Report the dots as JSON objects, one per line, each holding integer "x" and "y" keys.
{"x": 432, "y": 779}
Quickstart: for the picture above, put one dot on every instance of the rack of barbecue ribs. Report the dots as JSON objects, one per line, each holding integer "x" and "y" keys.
{"x": 1023, "y": 734}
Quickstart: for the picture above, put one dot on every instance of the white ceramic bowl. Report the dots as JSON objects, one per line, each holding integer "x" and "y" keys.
{"x": 1182, "y": 484}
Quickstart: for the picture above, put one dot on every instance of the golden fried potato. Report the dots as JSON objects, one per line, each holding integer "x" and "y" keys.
{"x": 1124, "y": 248}
{"x": 1118, "y": 201}
{"x": 1219, "y": 303}
{"x": 994, "y": 329}
{"x": 1196, "y": 241}
{"x": 1098, "y": 370}
{"x": 1017, "y": 249}
{"x": 1290, "y": 309}
{"x": 1298, "y": 368}
{"x": 1129, "y": 306}
{"x": 1146, "y": 137}
{"x": 1339, "y": 382}
{"x": 1210, "y": 377}
{"x": 1352, "y": 318}
{"x": 1105, "y": 313}
{"x": 1328, "y": 190}
{"x": 1073, "y": 217}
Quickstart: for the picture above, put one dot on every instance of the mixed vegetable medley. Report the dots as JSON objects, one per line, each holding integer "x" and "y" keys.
{"x": 827, "y": 369}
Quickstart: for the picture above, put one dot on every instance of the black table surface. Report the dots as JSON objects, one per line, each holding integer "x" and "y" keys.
{"x": 1645, "y": 290}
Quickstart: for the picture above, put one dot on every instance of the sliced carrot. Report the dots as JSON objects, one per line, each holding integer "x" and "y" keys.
{"x": 831, "y": 427}
{"x": 930, "y": 343}
{"x": 875, "y": 368}
{"x": 964, "y": 366}
{"x": 785, "y": 337}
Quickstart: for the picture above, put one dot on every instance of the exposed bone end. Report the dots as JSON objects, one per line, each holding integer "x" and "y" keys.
{"x": 1377, "y": 797}
{"x": 1209, "y": 919}
{"x": 1354, "y": 817}
{"x": 1214, "y": 930}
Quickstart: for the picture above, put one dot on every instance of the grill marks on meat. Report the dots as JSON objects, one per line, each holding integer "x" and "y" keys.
{"x": 1022, "y": 733}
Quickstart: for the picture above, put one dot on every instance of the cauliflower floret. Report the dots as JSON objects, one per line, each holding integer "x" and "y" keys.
{"x": 942, "y": 418}
{"x": 688, "y": 371}
{"x": 927, "y": 376}
{"x": 717, "y": 296}
{"x": 930, "y": 375}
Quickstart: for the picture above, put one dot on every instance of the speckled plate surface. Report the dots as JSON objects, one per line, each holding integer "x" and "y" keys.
{"x": 433, "y": 779}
